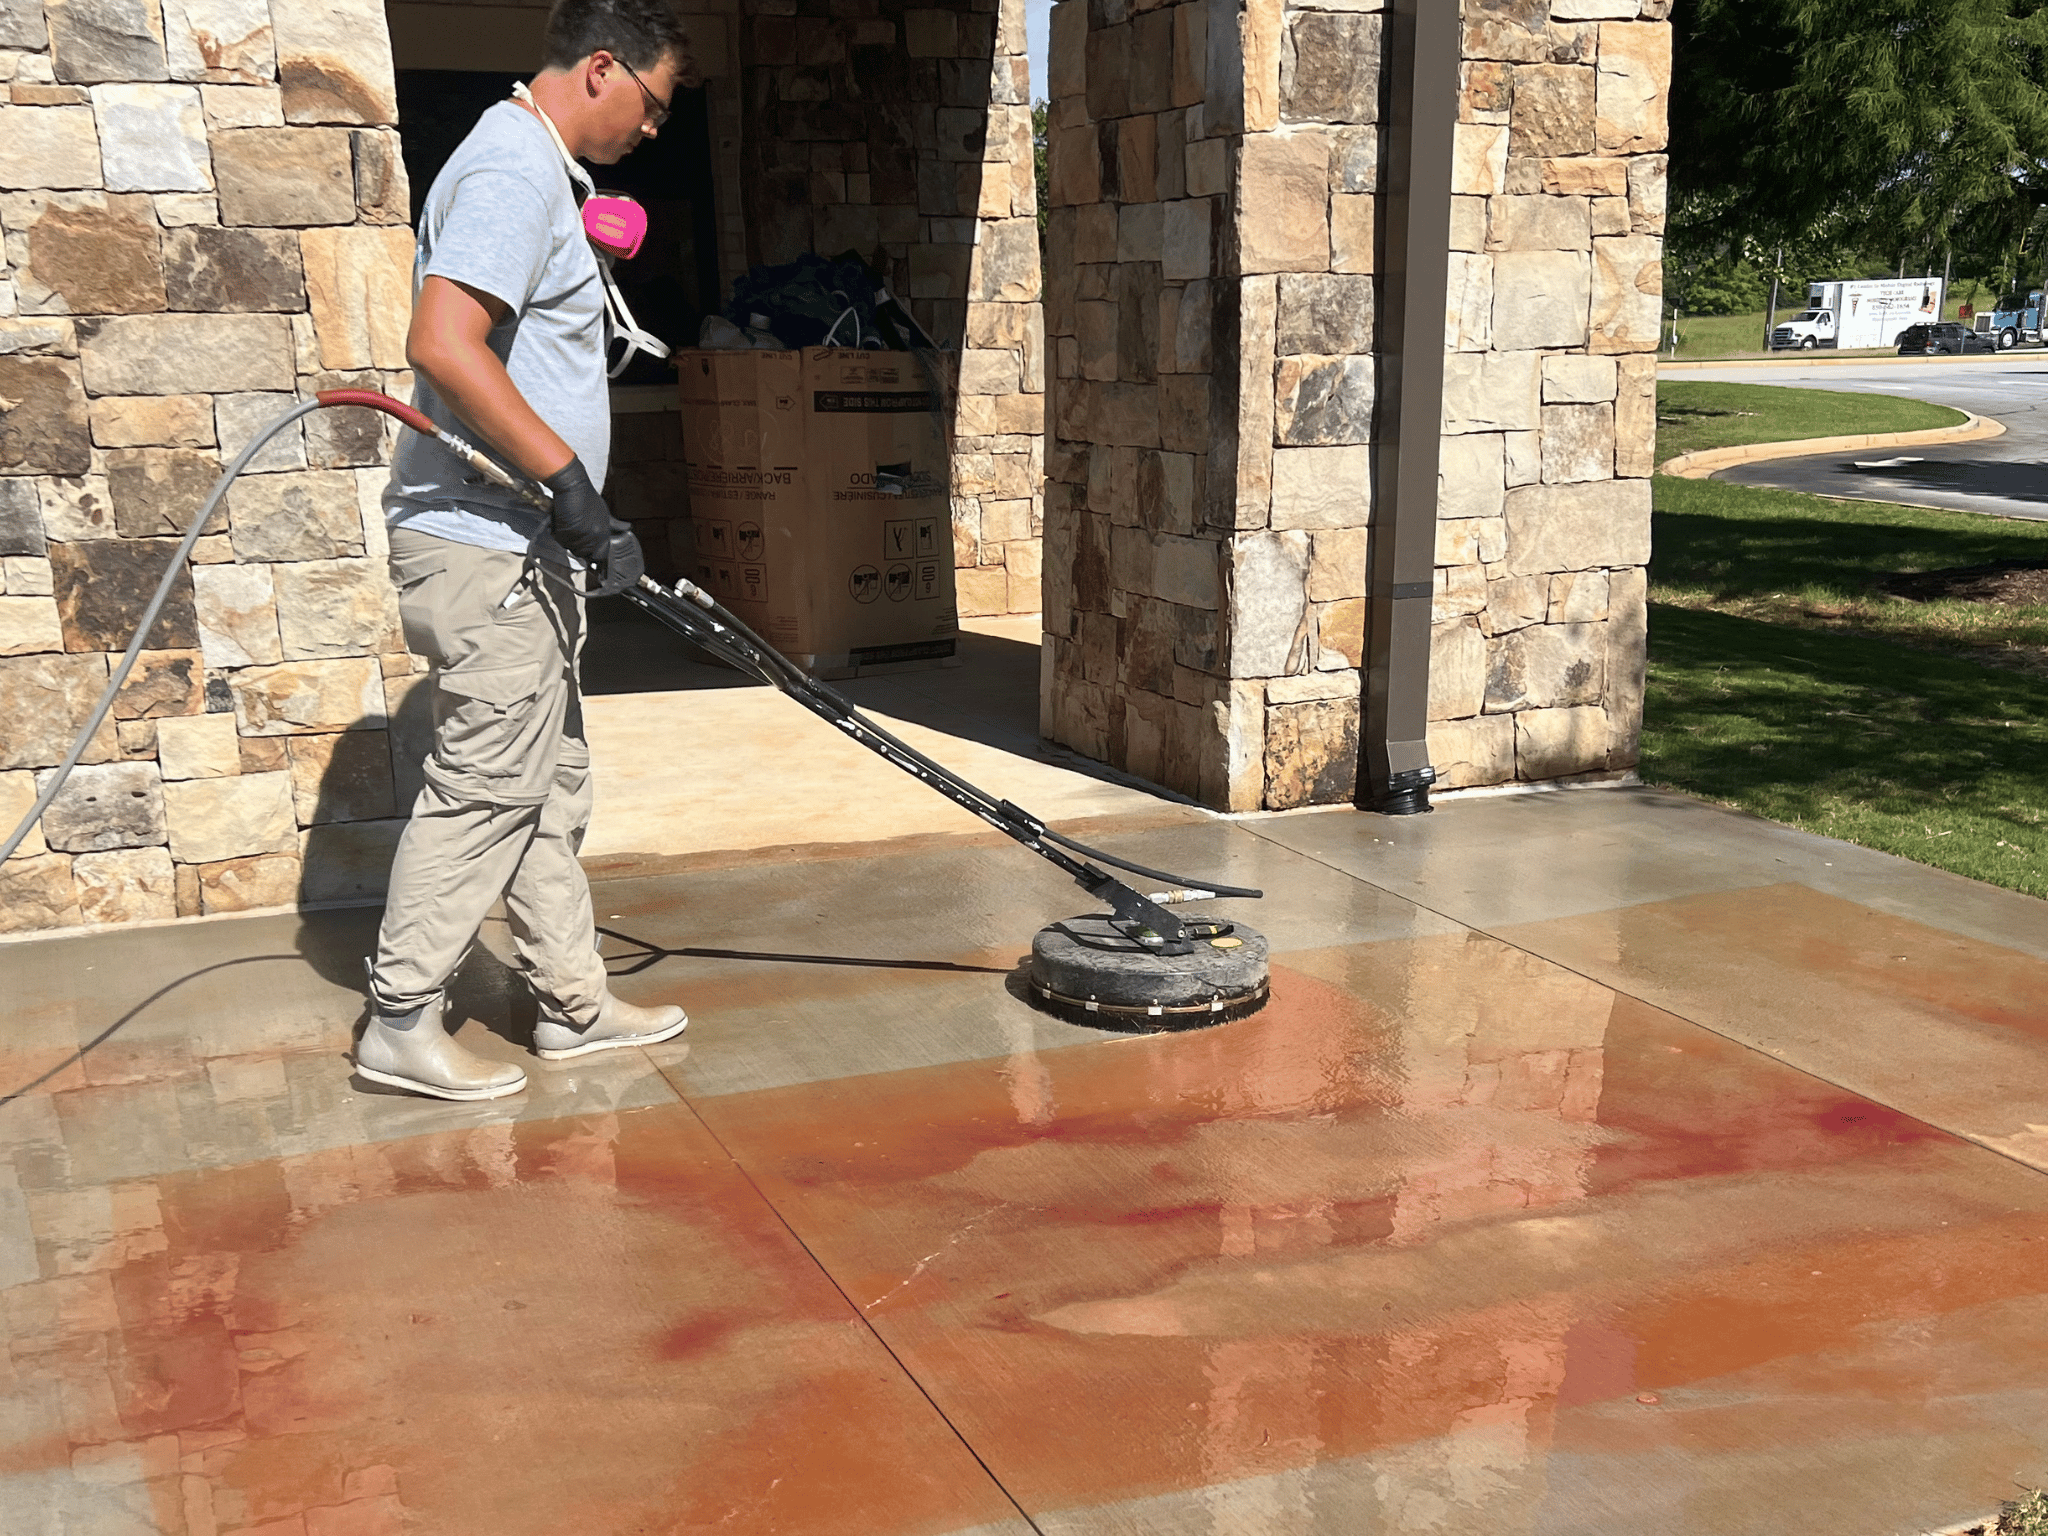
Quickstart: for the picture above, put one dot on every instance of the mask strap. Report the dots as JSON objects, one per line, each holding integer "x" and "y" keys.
{"x": 620, "y": 318}
{"x": 623, "y": 325}
{"x": 520, "y": 92}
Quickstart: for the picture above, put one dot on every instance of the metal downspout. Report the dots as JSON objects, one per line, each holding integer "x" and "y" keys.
{"x": 1424, "y": 51}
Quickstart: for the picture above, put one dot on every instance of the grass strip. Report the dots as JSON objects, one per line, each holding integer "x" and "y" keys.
{"x": 1692, "y": 416}
{"x": 1931, "y": 757}
{"x": 1787, "y": 680}
{"x": 1811, "y": 563}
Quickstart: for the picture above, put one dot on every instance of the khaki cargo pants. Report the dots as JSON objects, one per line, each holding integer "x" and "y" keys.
{"x": 507, "y": 796}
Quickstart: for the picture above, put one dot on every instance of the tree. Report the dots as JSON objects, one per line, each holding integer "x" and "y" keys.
{"x": 1909, "y": 124}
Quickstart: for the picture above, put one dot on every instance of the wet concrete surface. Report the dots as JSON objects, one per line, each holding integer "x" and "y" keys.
{"x": 2006, "y": 475}
{"x": 1604, "y": 1163}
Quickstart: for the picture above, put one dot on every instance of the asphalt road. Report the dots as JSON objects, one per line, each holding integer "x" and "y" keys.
{"x": 2005, "y": 475}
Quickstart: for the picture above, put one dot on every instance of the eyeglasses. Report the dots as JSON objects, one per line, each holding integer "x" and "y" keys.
{"x": 657, "y": 113}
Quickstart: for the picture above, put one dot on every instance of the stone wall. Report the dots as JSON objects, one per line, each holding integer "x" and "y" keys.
{"x": 903, "y": 132}
{"x": 1550, "y": 391}
{"x": 1210, "y": 303}
{"x": 204, "y": 215}
{"x": 1210, "y": 299}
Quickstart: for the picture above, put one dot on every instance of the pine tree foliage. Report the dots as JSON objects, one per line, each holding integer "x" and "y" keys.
{"x": 1910, "y": 125}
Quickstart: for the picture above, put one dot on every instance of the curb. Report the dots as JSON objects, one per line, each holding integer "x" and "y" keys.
{"x": 1697, "y": 466}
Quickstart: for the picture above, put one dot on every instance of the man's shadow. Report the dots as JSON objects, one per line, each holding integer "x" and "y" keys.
{"x": 365, "y": 795}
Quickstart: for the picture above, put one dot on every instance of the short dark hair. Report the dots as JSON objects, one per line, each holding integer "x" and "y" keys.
{"x": 641, "y": 33}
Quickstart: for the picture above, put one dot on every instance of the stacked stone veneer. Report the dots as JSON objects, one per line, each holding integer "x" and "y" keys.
{"x": 1211, "y": 306}
{"x": 1550, "y": 392}
{"x": 904, "y": 133}
{"x": 1215, "y": 180}
{"x": 204, "y": 213}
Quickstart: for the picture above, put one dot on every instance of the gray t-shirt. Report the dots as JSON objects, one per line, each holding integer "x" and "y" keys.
{"x": 501, "y": 218}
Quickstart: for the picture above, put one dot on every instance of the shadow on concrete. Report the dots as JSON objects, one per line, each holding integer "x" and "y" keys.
{"x": 647, "y": 954}
{"x": 629, "y": 651}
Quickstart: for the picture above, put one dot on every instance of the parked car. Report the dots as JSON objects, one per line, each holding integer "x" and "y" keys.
{"x": 1947, "y": 336}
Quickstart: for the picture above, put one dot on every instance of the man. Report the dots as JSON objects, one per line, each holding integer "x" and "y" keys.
{"x": 508, "y": 345}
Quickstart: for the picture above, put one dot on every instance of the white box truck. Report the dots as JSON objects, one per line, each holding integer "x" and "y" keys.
{"x": 1862, "y": 314}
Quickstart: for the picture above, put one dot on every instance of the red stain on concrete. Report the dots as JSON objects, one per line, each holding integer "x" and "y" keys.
{"x": 1433, "y": 1187}
{"x": 454, "y": 1334}
{"x": 1439, "y": 1191}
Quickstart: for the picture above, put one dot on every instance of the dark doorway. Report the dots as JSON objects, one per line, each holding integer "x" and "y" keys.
{"x": 673, "y": 283}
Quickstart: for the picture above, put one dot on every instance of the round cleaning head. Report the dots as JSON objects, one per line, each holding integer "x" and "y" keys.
{"x": 1087, "y": 972}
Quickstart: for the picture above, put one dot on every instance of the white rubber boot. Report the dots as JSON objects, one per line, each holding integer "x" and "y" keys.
{"x": 618, "y": 1023}
{"x": 414, "y": 1052}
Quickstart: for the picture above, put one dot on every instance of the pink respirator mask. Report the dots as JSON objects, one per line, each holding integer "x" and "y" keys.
{"x": 615, "y": 224}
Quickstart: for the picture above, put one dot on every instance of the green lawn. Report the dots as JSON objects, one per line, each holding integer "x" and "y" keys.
{"x": 1810, "y": 563}
{"x": 1937, "y": 759}
{"x": 1716, "y": 335}
{"x": 1693, "y": 416}
{"x": 1786, "y": 680}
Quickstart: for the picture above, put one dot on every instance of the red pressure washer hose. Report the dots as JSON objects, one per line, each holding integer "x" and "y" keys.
{"x": 425, "y": 425}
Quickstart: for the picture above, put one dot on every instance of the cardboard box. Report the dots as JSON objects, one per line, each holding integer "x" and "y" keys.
{"x": 820, "y": 506}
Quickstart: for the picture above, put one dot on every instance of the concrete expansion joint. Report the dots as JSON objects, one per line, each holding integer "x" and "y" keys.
{"x": 1626, "y": 778}
{"x": 1698, "y": 466}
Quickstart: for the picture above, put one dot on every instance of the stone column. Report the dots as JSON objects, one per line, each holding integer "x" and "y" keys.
{"x": 1210, "y": 303}
{"x": 204, "y": 220}
{"x": 1550, "y": 394}
{"x": 1211, "y": 299}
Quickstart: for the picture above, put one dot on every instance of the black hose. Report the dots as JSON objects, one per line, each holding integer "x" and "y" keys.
{"x": 724, "y": 636}
{"x": 1150, "y": 874}
{"x": 148, "y": 622}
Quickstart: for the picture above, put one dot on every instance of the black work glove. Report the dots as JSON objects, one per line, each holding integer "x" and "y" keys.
{"x": 578, "y": 518}
{"x": 623, "y": 563}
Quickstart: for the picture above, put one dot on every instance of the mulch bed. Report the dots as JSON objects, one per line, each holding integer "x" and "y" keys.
{"x": 2011, "y": 583}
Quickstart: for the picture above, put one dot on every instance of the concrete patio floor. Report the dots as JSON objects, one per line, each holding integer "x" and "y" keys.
{"x": 1605, "y": 1162}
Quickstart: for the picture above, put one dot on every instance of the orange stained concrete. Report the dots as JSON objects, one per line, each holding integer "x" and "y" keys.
{"x": 1791, "y": 969}
{"x": 589, "y": 1324}
{"x": 1440, "y": 1189}
{"x": 1585, "y": 1226}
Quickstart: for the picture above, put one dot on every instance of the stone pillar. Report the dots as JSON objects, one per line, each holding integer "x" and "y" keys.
{"x": 1211, "y": 299}
{"x": 204, "y": 220}
{"x": 1550, "y": 391}
{"x": 1210, "y": 302}
{"x": 903, "y": 132}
